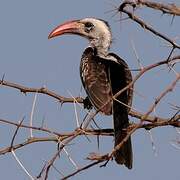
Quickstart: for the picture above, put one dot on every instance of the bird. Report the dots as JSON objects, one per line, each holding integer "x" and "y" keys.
{"x": 103, "y": 74}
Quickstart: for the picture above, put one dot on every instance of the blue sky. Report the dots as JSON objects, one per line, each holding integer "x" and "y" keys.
{"x": 27, "y": 57}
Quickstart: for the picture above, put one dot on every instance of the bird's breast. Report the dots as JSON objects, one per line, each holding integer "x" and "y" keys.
{"x": 96, "y": 83}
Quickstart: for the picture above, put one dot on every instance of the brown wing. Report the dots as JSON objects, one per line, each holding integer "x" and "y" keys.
{"x": 120, "y": 77}
{"x": 95, "y": 81}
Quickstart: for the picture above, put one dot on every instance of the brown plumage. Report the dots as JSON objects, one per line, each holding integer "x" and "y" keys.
{"x": 102, "y": 79}
{"x": 103, "y": 74}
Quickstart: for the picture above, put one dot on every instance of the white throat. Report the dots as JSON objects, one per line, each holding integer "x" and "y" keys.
{"x": 102, "y": 44}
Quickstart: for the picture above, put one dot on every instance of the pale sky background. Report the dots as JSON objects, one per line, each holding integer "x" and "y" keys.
{"x": 27, "y": 57}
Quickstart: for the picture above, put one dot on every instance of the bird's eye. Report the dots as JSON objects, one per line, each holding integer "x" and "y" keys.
{"x": 88, "y": 26}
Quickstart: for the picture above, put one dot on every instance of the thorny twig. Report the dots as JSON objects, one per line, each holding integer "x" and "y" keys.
{"x": 153, "y": 122}
{"x": 146, "y": 26}
{"x": 171, "y": 9}
{"x": 42, "y": 90}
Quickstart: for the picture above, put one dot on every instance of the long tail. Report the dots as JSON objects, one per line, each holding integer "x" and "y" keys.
{"x": 121, "y": 122}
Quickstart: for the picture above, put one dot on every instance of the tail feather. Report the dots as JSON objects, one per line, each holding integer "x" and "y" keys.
{"x": 121, "y": 122}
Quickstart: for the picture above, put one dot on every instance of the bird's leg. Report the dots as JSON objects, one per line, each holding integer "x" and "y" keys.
{"x": 87, "y": 103}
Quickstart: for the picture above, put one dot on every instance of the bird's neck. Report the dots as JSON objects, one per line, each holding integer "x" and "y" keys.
{"x": 102, "y": 45}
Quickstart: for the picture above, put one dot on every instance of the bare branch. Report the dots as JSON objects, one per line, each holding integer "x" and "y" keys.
{"x": 171, "y": 9}
{"x": 148, "y": 27}
{"x": 82, "y": 169}
{"x": 42, "y": 90}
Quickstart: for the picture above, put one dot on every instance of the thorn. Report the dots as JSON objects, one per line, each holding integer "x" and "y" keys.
{"x": 83, "y": 120}
{"x": 61, "y": 103}
{"x": 42, "y": 170}
{"x": 152, "y": 143}
{"x": 97, "y": 126}
{"x": 98, "y": 141}
{"x": 58, "y": 171}
{"x": 58, "y": 148}
{"x": 105, "y": 164}
{"x": 136, "y": 55}
{"x": 15, "y": 134}
{"x": 43, "y": 120}
{"x": 87, "y": 138}
{"x": 32, "y": 113}
{"x": 23, "y": 92}
{"x": 21, "y": 165}
{"x": 173, "y": 17}
{"x": 2, "y": 80}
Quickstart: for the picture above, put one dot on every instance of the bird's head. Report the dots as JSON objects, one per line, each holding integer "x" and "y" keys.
{"x": 95, "y": 30}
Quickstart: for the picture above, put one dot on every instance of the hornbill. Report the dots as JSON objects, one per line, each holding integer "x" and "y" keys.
{"x": 103, "y": 74}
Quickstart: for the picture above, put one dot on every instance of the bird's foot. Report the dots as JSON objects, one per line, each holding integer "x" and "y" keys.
{"x": 87, "y": 104}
